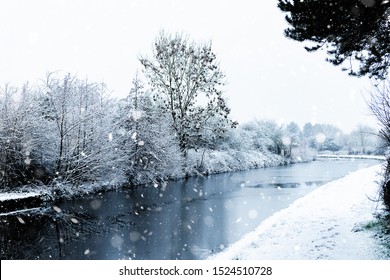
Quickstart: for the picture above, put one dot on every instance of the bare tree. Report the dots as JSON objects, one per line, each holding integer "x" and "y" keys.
{"x": 379, "y": 105}
{"x": 78, "y": 113}
{"x": 19, "y": 137}
{"x": 186, "y": 77}
{"x": 11, "y": 135}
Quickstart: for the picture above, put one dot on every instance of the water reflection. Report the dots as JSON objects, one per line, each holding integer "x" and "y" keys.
{"x": 188, "y": 219}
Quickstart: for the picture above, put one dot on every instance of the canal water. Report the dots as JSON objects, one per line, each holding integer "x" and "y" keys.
{"x": 186, "y": 219}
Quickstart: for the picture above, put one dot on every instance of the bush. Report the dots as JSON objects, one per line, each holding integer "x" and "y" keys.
{"x": 384, "y": 192}
{"x": 379, "y": 107}
{"x": 385, "y": 188}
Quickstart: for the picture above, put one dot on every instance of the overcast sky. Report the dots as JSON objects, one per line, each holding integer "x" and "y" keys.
{"x": 269, "y": 76}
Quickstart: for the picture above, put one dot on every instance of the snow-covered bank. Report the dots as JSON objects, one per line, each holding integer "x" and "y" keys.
{"x": 10, "y": 202}
{"x": 13, "y": 196}
{"x": 326, "y": 224}
{"x": 221, "y": 161}
{"x": 337, "y": 156}
{"x": 32, "y": 196}
{"x": 198, "y": 163}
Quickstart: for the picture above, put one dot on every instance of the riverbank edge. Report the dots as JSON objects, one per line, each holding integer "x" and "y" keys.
{"x": 65, "y": 191}
{"x": 373, "y": 224}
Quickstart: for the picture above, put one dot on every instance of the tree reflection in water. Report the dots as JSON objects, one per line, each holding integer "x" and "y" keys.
{"x": 43, "y": 233}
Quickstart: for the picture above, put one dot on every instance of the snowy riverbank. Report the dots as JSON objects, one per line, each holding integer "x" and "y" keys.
{"x": 342, "y": 156}
{"x": 199, "y": 164}
{"x": 326, "y": 224}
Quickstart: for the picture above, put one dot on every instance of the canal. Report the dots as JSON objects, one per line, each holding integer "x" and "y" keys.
{"x": 185, "y": 219}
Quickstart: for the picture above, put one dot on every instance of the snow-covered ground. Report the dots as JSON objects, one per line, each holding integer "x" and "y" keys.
{"x": 351, "y": 156}
{"x": 12, "y": 196}
{"x": 326, "y": 224}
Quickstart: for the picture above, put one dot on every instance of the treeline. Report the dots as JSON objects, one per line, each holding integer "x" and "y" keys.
{"x": 70, "y": 130}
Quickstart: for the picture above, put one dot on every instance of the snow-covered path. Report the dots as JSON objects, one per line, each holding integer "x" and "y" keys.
{"x": 326, "y": 224}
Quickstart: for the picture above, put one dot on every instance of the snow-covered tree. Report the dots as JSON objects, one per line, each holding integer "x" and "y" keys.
{"x": 264, "y": 135}
{"x": 77, "y": 116}
{"x": 149, "y": 149}
{"x": 186, "y": 78}
{"x": 323, "y": 137}
{"x": 20, "y": 141}
{"x": 363, "y": 140}
{"x": 292, "y": 136}
{"x": 12, "y": 166}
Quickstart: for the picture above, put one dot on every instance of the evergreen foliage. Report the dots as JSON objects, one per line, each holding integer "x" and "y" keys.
{"x": 355, "y": 33}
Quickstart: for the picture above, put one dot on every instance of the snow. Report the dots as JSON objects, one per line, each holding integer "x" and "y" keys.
{"x": 326, "y": 224}
{"x": 17, "y": 195}
{"x": 64, "y": 190}
{"x": 351, "y": 156}
{"x": 218, "y": 161}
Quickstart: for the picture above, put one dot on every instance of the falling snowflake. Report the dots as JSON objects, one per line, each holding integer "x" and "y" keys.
{"x": 141, "y": 143}
{"x": 116, "y": 241}
{"x": 95, "y": 204}
{"x": 57, "y": 209}
{"x": 135, "y": 236}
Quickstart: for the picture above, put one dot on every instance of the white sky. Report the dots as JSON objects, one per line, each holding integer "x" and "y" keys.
{"x": 269, "y": 76}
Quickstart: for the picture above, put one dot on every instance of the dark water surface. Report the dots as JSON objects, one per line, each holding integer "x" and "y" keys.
{"x": 186, "y": 219}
